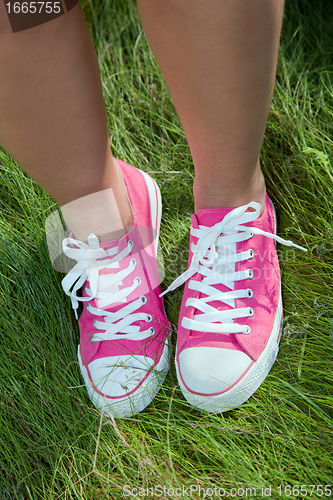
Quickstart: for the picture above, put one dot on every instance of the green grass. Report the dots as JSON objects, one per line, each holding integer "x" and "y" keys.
{"x": 53, "y": 443}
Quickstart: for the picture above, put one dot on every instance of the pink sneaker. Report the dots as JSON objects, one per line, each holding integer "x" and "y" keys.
{"x": 124, "y": 350}
{"x": 231, "y": 313}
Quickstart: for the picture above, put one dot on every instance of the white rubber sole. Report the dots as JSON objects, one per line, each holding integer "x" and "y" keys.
{"x": 146, "y": 392}
{"x": 251, "y": 381}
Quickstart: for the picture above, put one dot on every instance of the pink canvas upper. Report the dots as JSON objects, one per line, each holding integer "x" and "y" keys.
{"x": 265, "y": 285}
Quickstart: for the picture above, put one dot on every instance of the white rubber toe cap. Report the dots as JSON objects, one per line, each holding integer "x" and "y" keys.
{"x": 210, "y": 370}
{"x": 116, "y": 376}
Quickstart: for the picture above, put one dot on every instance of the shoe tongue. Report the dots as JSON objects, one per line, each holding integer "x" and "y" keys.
{"x": 118, "y": 242}
{"x": 210, "y": 216}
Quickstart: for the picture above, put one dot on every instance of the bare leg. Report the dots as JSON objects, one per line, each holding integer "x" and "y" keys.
{"x": 219, "y": 62}
{"x": 53, "y": 119}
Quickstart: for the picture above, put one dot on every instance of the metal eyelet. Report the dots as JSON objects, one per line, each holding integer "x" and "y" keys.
{"x": 133, "y": 262}
{"x": 88, "y": 307}
{"x": 94, "y": 323}
{"x": 144, "y": 299}
{"x": 249, "y": 293}
{"x": 149, "y": 318}
{"x": 251, "y": 253}
{"x": 152, "y": 329}
{"x": 91, "y": 340}
{"x": 247, "y": 330}
{"x": 251, "y": 312}
{"x": 131, "y": 244}
{"x": 250, "y": 273}
{"x": 138, "y": 280}
{"x": 251, "y": 235}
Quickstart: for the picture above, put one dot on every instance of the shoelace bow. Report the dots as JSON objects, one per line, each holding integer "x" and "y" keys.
{"x": 211, "y": 258}
{"x": 87, "y": 269}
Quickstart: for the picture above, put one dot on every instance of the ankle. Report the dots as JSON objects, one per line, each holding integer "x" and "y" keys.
{"x": 106, "y": 212}
{"x": 229, "y": 195}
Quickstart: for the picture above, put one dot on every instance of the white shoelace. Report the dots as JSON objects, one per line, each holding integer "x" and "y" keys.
{"x": 87, "y": 269}
{"x": 214, "y": 259}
